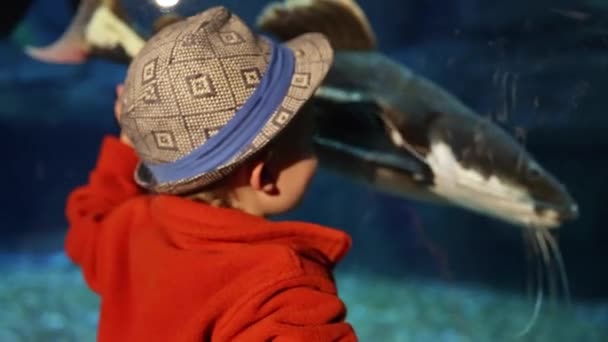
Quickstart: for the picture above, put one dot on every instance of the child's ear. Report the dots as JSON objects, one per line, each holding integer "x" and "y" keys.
{"x": 263, "y": 179}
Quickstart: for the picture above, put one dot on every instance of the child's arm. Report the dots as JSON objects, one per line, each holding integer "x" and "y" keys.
{"x": 110, "y": 184}
{"x": 303, "y": 308}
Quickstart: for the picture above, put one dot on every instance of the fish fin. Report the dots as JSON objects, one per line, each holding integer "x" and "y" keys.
{"x": 108, "y": 33}
{"x": 343, "y": 22}
{"x": 71, "y": 47}
{"x": 99, "y": 29}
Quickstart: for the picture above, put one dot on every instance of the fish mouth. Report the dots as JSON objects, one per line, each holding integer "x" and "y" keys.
{"x": 496, "y": 196}
{"x": 563, "y": 213}
{"x": 520, "y": 211}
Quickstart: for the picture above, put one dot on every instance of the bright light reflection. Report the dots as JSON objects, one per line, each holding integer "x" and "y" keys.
{"x": 166, "y": 3}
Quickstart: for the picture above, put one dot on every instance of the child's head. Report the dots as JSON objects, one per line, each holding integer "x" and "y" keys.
{"x": 215, "y": 113}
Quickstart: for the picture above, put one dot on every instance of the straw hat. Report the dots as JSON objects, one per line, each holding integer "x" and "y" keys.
{"x": 206, "y": 93}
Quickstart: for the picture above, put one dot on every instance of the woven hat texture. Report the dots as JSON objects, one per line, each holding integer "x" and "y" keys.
{"x": 190, "y": 79}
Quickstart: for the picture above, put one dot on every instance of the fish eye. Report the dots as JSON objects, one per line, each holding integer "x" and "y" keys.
{"x": 418, "y": 177}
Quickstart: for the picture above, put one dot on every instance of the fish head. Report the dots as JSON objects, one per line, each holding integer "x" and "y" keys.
{"x": 478, "y": 165}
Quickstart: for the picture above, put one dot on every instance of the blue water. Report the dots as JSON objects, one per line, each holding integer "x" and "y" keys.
{"x": 553, "y": 53}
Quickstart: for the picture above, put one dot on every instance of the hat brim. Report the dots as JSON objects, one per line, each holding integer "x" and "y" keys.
{"x": 313, "y": 59}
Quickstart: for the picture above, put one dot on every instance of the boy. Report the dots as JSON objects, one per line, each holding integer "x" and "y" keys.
{"x": 214, "y": 136}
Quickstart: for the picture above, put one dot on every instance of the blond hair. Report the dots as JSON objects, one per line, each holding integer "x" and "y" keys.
{"x": 216, "y": 195}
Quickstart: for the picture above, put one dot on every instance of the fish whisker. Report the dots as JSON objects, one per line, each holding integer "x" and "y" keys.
{"x": 557, "y": 255}
{"x": 548, "y": 260}
{"x": 531, "y": 239}
{"x": 531, "y": 261}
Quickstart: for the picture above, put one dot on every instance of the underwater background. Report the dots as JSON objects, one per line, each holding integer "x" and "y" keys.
{"x": 416, "y": 272}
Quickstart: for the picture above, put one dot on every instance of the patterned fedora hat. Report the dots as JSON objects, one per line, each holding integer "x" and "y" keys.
{"x": 206, "y": 93}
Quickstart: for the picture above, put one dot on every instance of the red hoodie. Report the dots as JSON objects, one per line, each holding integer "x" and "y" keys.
{"x": 169, "y": 269}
